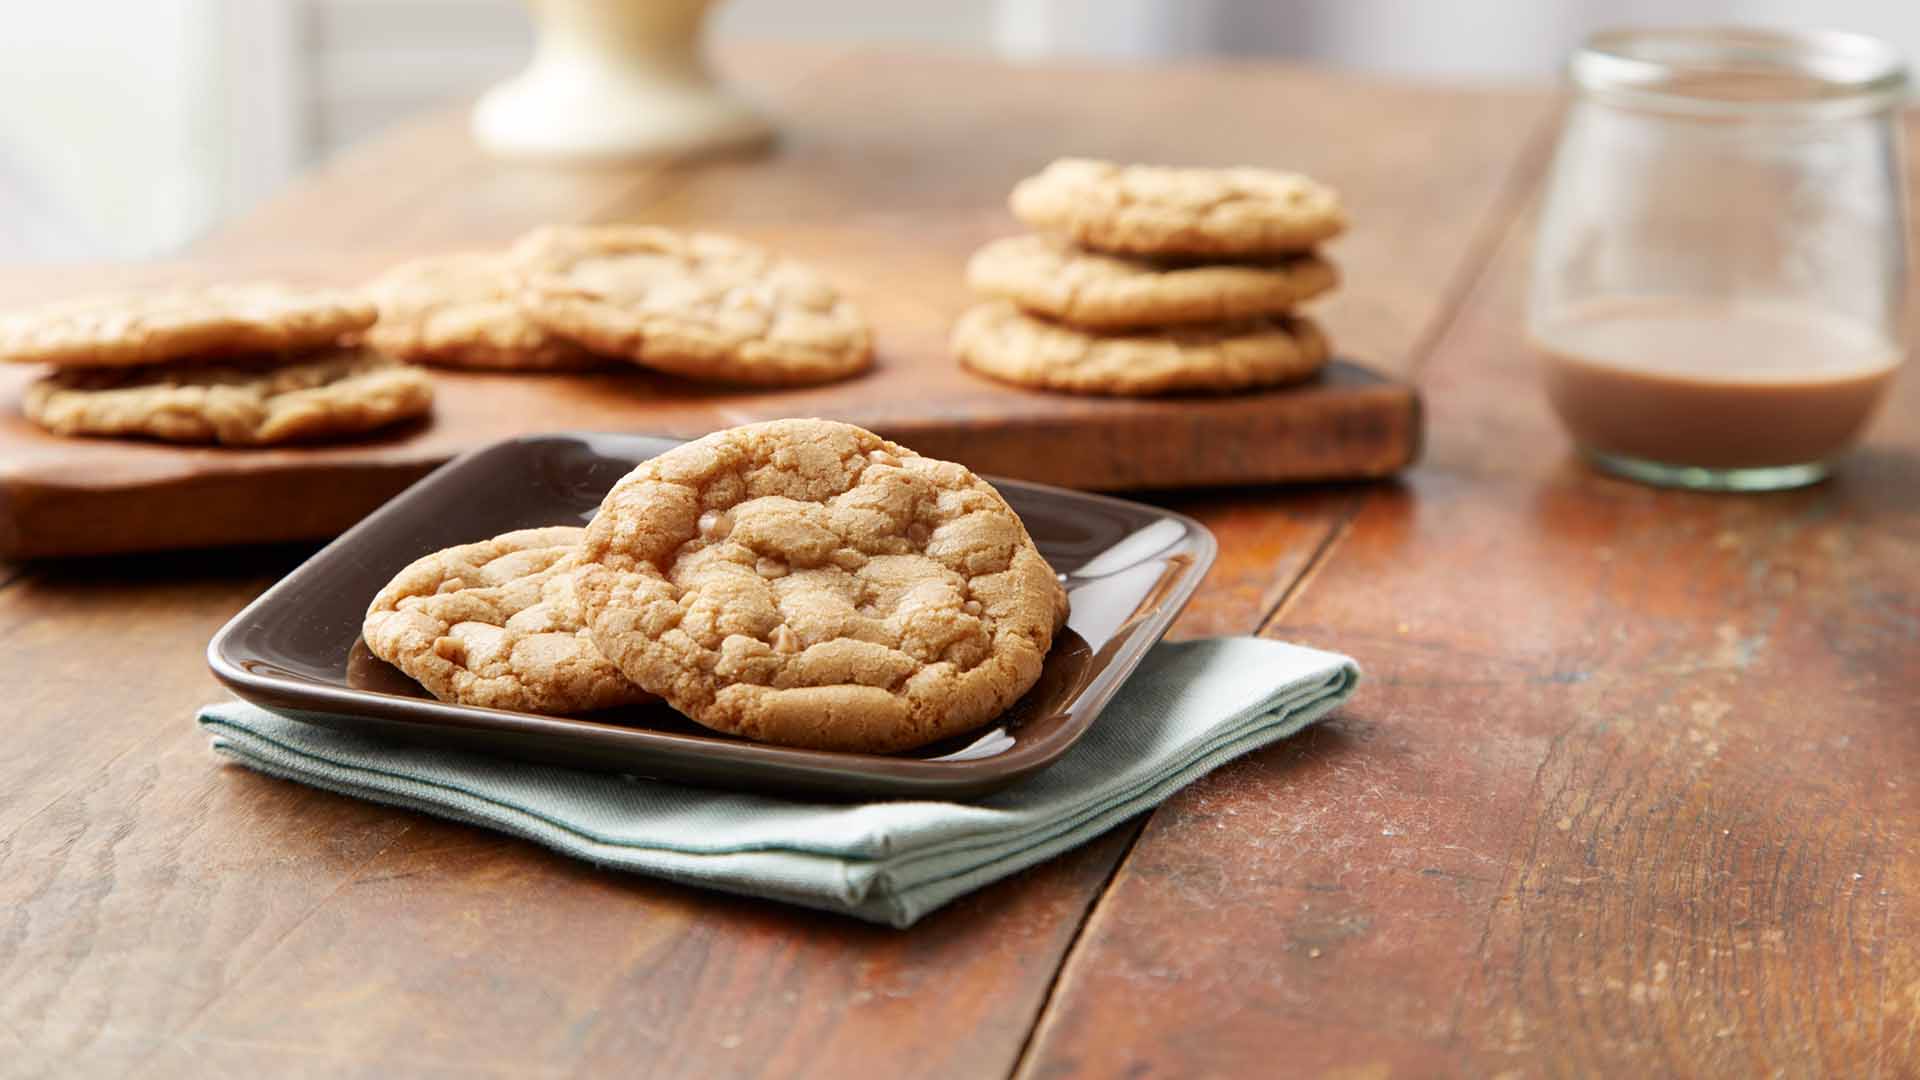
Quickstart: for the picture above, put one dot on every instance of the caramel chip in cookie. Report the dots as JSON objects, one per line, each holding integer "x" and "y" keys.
{"x": 808, "y": 583}
{"x": 1158, "y": 210}
{"x": 694, "y": 304}
{"x": 1000, "y": 340}
{"x": 495, "y": 624}
{"x": 319, "y": 396}
{"x": 1048, "y": 276}
{"x": 178, "y": 324}
{"x": 460, "y": 310}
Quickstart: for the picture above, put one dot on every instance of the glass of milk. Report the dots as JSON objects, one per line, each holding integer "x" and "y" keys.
{"x": 1719, "y": 280}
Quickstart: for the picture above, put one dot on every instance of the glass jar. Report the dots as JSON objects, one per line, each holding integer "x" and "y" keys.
{"x": 1719, "y": 280}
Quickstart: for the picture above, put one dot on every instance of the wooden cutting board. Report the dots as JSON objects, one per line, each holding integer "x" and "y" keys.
{"x": 61, "y": 496}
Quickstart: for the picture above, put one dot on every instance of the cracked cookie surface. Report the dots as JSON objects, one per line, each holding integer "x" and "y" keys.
{"x": 808, "y": 583}
{"x": 1160, "y": 210}
{"x": 460, "y": 310}
{"x": 999, "y": 340}
{"x": 694, "y": 304}
{"x": 179, "y": 324}
{"x": 496, "y": 624}
{"x": 1048, "y": 276}
{"x": 318, "y": 396}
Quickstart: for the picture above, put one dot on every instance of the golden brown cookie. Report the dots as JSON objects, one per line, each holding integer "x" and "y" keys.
{"x": 1158, "y": 210}
{"x": 808, "y": 583}
{"x": 179, "y": 324}
{"x": 495, "y": 624}
{"x": 460, "y": 310}
{"x": 1048, "y": 276}
{"x": 694, "y": 304}
{"x": 999, "y": 340}
{"x": 317, "y": 396}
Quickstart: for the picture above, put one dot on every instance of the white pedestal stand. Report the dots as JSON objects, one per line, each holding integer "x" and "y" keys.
{"x": 615, "y": 79}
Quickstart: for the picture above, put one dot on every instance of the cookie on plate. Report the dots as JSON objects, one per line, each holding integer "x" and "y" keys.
{"x": 495, "y": 624}
{"x": 694, "y": 304}
{"x": 459, "y": 310}
{"x": 808, "y": 583}
{"x": 999, "y": 340}
{"x": 1161, "y": 210}
{"x": 181, "y": 324}
{"x": 1048, "y": 276}
{"x": 318, "y": 396}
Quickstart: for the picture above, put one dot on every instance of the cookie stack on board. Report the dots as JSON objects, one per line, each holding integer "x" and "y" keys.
{"x": 1150, "y": 280}
{"x": 244, "y": 365}
{"x": 800, "y": 582}
{"x": 571, "y": 298}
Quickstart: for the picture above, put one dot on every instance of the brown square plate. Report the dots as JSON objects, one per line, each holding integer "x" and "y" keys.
{"x": 1129, "y": 569}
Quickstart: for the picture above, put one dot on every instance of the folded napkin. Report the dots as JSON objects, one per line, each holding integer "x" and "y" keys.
{"x": 1190, "y": 707}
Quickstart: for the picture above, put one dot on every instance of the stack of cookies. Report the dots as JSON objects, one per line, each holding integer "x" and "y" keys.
{"x": 1149, "y": 280}
{"x": 799, "y": 582}
{"x": 241, "y": 365}
{"x": 697, "y": 305}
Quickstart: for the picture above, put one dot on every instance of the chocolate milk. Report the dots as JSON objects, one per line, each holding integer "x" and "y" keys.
{"x": 1720, "y": 386}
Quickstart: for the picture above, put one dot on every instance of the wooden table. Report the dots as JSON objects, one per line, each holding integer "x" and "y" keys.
{"x": 1630, "y": 788}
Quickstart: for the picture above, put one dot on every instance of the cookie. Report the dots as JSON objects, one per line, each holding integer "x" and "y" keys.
{"x": 1157, "y": 210}
{"x": 460, "y": 310}
{"x": 695, "y": 304}
{"x": 999, "y": 340}
{"x": 495, "y": 624}
{"x": 178, "y": 324}
{"x": 808, "y": 583}
{"x": 1048, "y": 276}
{"x": 319, "y": 396}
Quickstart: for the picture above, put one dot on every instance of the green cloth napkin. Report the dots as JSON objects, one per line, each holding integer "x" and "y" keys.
{"x": 1190, "y": 707}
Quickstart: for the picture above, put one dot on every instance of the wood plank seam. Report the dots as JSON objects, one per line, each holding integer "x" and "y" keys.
{"x": 1021, "y": 1064}
{"x": 1521, "y": 848}
{"x": 1323, "y": 551}
{"x": 105, "y": 768}
{"x": 1527, "y": 173}
{"x": 1504, "y": 214}
{"x": 1023, "y": 1061}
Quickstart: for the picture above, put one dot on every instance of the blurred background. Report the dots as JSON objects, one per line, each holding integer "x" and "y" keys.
{"x": 128, "y": 127}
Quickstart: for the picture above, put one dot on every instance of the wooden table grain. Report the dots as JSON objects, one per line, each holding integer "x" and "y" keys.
{"x": 1629, "y": 789}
